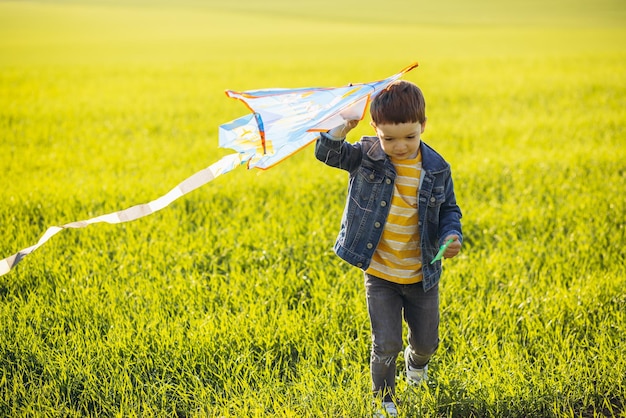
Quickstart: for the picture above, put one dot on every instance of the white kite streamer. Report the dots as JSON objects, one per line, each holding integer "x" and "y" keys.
{"x": 199, "y": 179}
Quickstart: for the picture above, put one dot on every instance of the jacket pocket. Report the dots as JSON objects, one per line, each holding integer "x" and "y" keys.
{"x": 368, "y": 182}
{"x": 436, "y": 199}
{"x": 371, "y": 175}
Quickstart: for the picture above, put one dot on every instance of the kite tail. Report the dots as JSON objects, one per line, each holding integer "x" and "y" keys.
{"x": 198, "y": 179}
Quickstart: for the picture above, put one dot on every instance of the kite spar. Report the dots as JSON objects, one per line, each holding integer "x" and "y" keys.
{"x": 282, "y": 122}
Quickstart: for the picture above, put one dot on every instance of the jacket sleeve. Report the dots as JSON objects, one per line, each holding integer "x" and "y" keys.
{"x": 450, "y": 214}
{"x": 338, "y": 154}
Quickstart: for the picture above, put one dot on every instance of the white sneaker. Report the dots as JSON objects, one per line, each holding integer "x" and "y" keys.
{"x": 388, "y": 410}
{"x": 414, "y": 376}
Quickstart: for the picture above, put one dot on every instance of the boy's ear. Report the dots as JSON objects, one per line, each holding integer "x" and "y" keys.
{"x": 423, "y": 126}
{"x": 373, "y": 125}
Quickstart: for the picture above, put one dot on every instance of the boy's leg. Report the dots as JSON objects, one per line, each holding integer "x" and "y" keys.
{"x": 384, "y": 304}
{"x": 421, "y": 313}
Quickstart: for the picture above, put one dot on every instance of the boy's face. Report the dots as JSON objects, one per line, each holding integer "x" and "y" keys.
{"x": 400, "y": 141}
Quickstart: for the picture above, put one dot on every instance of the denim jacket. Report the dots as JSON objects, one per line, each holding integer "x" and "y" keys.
{"x": 372, "y": 177}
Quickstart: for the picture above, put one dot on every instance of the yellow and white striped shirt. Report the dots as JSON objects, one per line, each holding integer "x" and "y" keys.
{"x": 398, "y": 257}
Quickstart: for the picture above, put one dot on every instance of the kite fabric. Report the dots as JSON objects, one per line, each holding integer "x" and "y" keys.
{"x": 282, "y": 122}
{"x": 286, "y": 120}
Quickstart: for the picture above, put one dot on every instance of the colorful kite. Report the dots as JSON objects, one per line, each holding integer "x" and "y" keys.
{"x": 282, "y": 122}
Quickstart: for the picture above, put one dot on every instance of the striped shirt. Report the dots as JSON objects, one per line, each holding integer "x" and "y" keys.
{"x": 398, "y": 256}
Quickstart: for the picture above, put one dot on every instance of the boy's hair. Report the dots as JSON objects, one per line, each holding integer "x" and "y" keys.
{"x": 401, "y": 102}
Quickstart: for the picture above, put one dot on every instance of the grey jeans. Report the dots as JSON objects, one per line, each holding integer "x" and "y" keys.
{"x": 387, "y": 303}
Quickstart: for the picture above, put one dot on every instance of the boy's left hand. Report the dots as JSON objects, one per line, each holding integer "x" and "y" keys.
{"x": 454, "y": 248}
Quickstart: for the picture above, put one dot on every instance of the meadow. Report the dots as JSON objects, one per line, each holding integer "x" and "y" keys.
{"x": 230, "y": 302}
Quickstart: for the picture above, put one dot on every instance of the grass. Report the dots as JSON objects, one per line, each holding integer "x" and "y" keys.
{"x": 230, "y": 302}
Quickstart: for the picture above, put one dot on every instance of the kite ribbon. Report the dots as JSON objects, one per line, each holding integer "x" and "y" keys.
{"x": 198, "y": 179}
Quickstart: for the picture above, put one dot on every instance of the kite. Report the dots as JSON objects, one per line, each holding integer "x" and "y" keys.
{"x": 282, "y": 122}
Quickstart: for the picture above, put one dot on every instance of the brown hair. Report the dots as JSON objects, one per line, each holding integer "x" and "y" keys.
{"x": 401, "y": 102}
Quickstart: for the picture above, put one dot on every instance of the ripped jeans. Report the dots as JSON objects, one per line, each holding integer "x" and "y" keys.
{"x": 387, "y": 303}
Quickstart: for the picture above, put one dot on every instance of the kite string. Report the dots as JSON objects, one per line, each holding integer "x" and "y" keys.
{"x": 191, "y": 183}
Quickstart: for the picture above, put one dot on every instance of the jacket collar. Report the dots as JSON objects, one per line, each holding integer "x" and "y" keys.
{"x": 375, "y": 151}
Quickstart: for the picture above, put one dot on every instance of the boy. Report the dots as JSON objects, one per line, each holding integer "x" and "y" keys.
{"x": 400, "y": 209}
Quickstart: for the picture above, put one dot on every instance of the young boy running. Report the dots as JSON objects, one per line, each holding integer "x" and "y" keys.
{"x": 400, "y": 209}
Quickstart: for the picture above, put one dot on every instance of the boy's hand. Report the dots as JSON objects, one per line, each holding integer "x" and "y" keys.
{"x": 454, "y": 248}
{"x": 342, "y": 130}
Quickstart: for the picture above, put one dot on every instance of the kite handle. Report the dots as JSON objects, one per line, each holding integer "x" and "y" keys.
{"x": 442, "y": 249}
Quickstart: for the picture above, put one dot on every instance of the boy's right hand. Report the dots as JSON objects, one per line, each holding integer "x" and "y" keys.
{"x": 342, "y": 130}
{"x": 454, "y": 248}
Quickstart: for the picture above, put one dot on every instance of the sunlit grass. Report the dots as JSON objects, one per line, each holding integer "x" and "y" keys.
{"x": 230, "y": 302}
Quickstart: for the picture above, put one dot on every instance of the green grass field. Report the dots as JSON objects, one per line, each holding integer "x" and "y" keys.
{"x": 230, "y": 302}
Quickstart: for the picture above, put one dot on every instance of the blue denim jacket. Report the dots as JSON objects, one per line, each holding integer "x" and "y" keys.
{"x": 372, "y": 177}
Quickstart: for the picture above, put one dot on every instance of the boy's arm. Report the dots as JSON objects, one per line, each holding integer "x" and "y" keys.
{"x": 450, "y": 221}
{"x": 332, "y": 149}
